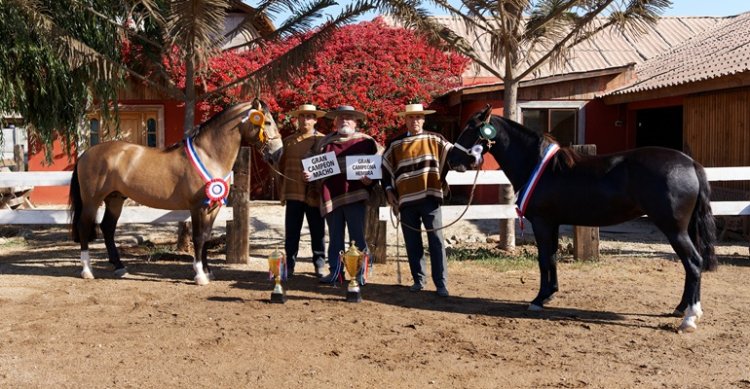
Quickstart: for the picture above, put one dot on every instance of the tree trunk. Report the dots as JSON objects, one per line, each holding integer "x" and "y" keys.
{"x": 184, "y": 229}
{"x": 18, "y": 158}
{"x": 185, "y": 237}
{"x": 586, "y": 239}
{"x": 507, "y": 226}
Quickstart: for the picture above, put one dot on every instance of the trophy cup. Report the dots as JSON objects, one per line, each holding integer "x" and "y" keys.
{"x": 353, "y": 260}
{"x": 276, "y": 261}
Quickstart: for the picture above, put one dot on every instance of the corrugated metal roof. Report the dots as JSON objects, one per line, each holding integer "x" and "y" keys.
{"x": 721, "y": 50}
{"x": 608, "y": 48}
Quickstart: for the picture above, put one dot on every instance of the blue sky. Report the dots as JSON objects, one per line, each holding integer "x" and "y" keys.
{"x": 679, "y": 8}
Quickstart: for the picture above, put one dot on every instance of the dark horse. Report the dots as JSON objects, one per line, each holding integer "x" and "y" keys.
{"x": 110, "y": 172}
{"x": 666, "y": 185}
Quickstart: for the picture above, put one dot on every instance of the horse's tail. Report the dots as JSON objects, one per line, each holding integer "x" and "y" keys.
{"x": 75, "y": 207}
{"x": 702, "y": 224}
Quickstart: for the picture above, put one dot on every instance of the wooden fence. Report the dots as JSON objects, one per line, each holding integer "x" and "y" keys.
{"x": 450, "y": 212}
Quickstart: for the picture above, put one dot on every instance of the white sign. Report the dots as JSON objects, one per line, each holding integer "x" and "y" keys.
{"x": 359, "y": 166}
{"x": 321, "y": 165}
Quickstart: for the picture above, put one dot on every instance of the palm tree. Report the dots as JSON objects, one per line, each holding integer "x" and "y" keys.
{"x": 188, "y": 31}
{"x": 524, "y": 35}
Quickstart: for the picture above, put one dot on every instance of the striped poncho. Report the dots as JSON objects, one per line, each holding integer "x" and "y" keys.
{"x": 296, "y": 147}
{"x": 336, "y": 190}
{"x": 412, "y": 165}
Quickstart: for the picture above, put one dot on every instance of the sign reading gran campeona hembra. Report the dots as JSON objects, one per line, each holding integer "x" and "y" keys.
{"x": 358, "y": 166}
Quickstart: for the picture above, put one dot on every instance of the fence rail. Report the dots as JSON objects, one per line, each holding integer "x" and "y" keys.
{"x": 475, "y": 212}
{"x": 499, "y": 211}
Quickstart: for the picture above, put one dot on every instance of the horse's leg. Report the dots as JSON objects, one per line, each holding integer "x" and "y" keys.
{"x": 690, "y": 303}
{"x": 86, "y": 233}
{"x": 108, "y": 225}
{"x": 546, "y": 235}
{"x": 202, "y": 223}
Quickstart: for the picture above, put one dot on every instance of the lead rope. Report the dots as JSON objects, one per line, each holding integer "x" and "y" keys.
{"x": 471, "y": 198}
{"x": 398, "y": 223}
{"x": 398, "y": 258}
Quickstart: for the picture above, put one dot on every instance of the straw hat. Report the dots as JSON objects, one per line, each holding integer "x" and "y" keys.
{"x": 345, "y": 109}
{"x": 415, "y": 109}
{"x": 307, "y": 108}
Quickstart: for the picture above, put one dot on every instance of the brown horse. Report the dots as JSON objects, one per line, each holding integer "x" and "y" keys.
{"x": 168, "y": 179}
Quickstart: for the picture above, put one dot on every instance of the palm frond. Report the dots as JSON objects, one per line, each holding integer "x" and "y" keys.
{"x": 304, "y": 17}
{"x": 196, "y": 28}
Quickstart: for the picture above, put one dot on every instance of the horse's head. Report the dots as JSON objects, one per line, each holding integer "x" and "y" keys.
{"x": 476, "y": 139}
{"x": 258, "y": 128}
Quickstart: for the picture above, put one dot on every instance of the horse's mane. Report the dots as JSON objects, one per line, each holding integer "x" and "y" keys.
{"x": 197, "y": 129}
{"x": 566, "y": 156}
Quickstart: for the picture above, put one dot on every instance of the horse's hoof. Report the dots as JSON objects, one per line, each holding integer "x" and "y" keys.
{"x": 87, "y": 275}
{"x": 121, "y": 273}
{"x": 201, "y": 280}
{"x": 211, "y": 276}
{"x": 535, "y": 308}
{"x": 688, "y": 325}
{"x": 548, "y": 299}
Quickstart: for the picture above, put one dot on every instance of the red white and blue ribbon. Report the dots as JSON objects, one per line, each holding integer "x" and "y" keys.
{"x": 525, "y": 194}
{"x": 217, "y": 189}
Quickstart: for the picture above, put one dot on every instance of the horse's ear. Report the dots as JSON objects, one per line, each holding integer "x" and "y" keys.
{"x": 486, "y": 112}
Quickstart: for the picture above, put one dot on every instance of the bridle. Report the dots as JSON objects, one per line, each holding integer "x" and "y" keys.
{"x": 257, "y": 118}
{"x": 487, "y": 134}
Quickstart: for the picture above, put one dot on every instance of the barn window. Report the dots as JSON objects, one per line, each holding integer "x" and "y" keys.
{"x": 151, "y": 132}
{"x": 561, "y": 123}
{"x": 93, "y": 132}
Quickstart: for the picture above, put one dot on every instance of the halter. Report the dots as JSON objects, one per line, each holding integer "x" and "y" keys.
{"x": 258, "y": 119}
{"x": 486, "y": 134}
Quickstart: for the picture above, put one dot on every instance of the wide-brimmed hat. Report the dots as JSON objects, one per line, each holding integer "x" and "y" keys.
{"x": 415, "y": 109}
{"x": 345, "y": 109}
{"x": 307, "y": 108}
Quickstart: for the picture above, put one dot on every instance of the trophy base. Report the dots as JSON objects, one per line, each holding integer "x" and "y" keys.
{"x": 353, "y": 297}
{"x": 278, "y": 298}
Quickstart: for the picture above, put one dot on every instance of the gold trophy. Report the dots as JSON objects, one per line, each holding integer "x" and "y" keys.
{"x": 353, "y": 261}
{"x": 275, "y": 262}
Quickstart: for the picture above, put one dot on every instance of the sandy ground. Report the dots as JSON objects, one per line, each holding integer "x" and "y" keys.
{"x": 608, "y": 327}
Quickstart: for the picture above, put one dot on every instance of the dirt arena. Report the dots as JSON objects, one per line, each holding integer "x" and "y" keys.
{"x": 607, "y": 328}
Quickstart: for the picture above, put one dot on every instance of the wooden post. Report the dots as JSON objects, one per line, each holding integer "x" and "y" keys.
{"x": 376, "y": 230}
{"x": 238, "y": 230}
{"x": 586, "y": 239}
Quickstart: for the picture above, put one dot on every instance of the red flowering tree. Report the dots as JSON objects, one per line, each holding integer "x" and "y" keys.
{"x": 372, "y": 66}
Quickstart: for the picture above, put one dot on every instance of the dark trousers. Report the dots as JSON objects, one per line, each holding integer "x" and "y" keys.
{"x": 425, "y": 212}
{"x": 352, "y": 218}
{"x": 296, "y": 211}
